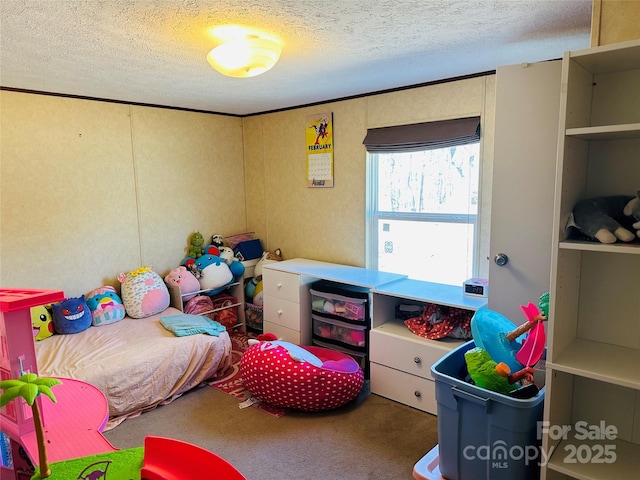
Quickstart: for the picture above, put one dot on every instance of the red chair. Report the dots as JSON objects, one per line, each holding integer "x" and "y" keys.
{"x": 170, "y": 459}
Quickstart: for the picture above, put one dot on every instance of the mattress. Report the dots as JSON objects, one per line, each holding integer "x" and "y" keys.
{"x": 136, "y": 363}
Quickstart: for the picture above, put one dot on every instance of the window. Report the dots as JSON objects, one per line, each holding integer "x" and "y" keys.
{"x": 423, "y": 209}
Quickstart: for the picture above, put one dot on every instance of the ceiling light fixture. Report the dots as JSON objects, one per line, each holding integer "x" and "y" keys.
{"x": 246, "y": 56}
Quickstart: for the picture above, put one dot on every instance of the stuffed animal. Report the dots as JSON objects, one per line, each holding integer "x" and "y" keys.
{"x": 253, "y": 288}
{"x": 267, "y": 257}
{"x": 41, "y": 322}
{"x": 143, "y": 292}
{"x": 609, "y": 219}
{"x": 105, "y": 305}
{"x": 196, "y": 245}
{"x": 217, "y": 240}
{"x": 184, "y": 280}
{"x": 71, "y": 315}
{"x": 482, "y": 370}
{"x": 214, "y": 273}
{"x": 227, "y": 255}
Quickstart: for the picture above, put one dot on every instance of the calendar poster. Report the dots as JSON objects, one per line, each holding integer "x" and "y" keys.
{"x": 320, "y": 150}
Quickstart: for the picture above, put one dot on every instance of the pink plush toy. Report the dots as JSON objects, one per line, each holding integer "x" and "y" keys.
{"x": 143, "y": 292}
{"x": 184, "y": 280}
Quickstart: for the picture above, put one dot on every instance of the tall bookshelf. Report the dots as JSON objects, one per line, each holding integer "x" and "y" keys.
{"x": 593, "y": 358}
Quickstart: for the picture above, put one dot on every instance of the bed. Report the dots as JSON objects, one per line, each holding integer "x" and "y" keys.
{"x": 136, "y": 363}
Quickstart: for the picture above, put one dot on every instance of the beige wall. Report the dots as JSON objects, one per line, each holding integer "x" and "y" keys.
{"x": 614, "y": 21}
{"x": 330, "y": 223}
{"x": 90, "y": 189}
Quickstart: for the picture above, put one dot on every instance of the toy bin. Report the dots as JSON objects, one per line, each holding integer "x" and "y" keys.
{"x": 484, "y": 434}
{"x": 338, "y": 301}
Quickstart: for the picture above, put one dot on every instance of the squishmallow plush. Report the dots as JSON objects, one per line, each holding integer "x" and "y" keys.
{"x": 143, "y": 292}
{"x": 214, "y": 273}
{"x": 41, "y": 322}
{"x": 184, "y": 280}
{"x": 71, "y": 316}
{"x": 105, "y": 305}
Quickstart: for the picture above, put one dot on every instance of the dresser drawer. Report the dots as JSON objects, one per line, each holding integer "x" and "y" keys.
{"x": 281, "y": 284}
{"x": 282, "y": 312}
{"x": 414, "y": 356}
{"x": 417, "y": 392}
{"x": 286, "y": 334}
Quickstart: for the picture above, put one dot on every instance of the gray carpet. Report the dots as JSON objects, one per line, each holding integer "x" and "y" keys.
{"x": 371, "y": 438}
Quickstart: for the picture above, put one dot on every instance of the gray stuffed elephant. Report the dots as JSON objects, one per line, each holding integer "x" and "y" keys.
{"x": 609, "y": 219}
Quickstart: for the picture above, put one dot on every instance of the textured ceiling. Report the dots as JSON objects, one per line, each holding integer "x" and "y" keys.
{"x": 153, "y": 52}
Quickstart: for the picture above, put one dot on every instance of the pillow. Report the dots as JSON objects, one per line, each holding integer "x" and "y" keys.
{"x": 71, "y": 315}
{"x": 144, "y": 293}
{"x": 105, "y": 305}
{"x": 41, "y": 322}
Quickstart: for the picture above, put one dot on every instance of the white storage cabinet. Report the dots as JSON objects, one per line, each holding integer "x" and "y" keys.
{"x": 401, "y": 360}
{"x": 593, "y": 357}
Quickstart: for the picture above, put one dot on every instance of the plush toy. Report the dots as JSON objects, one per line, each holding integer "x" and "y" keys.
{"x": 227, "y": 255}
{"x": 196, "y": 245}
{"x": 218, "y": 240}
{"x": 71, "y": 315}
{"x": 184, "y": 280}
{"x": 105, "y": 305}
{"x": 497, "y": 377}
{"x": 250, "y": 289}
{"x": 214, "y": 273}
{"x": 143, "y": 292}
{"x": 608, "y": 219}
{"x": 41, "y": 322}
{"x": 258, "y": 295}
{"x": 267, "y": 257}
{"x": 482, "y": 370}
{"x": 253, "y": 288}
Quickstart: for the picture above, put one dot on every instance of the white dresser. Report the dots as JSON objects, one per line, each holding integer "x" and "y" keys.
{"x": 400, "y": 360}
{"x": 287, "y": 305}
{"x": 287, "y": 302}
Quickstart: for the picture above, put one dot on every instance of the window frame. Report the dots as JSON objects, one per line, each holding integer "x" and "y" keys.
{"x": 374, "y": 216}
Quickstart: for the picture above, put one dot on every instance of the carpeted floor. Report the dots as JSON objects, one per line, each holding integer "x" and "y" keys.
{"x": 371, "y": 438}
{"x": 231, "y": 384}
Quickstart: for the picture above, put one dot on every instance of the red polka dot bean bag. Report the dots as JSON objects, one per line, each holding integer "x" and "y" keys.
{"x": 300, "y": 377}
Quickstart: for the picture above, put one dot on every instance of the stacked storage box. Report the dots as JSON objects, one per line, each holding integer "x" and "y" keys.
{"x": 340, "y": 318}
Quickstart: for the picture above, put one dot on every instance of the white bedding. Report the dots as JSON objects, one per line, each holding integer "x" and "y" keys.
{"x": 136, "y": 363}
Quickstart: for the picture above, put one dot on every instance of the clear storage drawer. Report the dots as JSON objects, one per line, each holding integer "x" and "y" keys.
{"x": 340, "y": 333}
{"x": 342, "y": 302}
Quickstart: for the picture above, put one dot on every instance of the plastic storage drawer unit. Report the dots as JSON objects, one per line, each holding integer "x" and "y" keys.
{"x": 340, "y": 301}
{"x": 484, "y": 434}
{"x": 340, "y": 333}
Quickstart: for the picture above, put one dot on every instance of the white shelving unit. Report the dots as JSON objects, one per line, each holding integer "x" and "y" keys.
{"x": 593, "y": 357}
{"x": 235, "y": 289}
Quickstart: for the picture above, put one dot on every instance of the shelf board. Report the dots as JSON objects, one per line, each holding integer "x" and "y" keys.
{"x": 626, "y": 248}
{"x": 606, "y": 132}
{"x": 398, "y": 329}
{"x": 419, "y": 290}
{"x": 626, "y": 464}
{"x": 600, "y": 361}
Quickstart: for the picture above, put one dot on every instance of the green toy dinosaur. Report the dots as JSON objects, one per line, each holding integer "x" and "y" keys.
{"x": 196, "y": 246}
